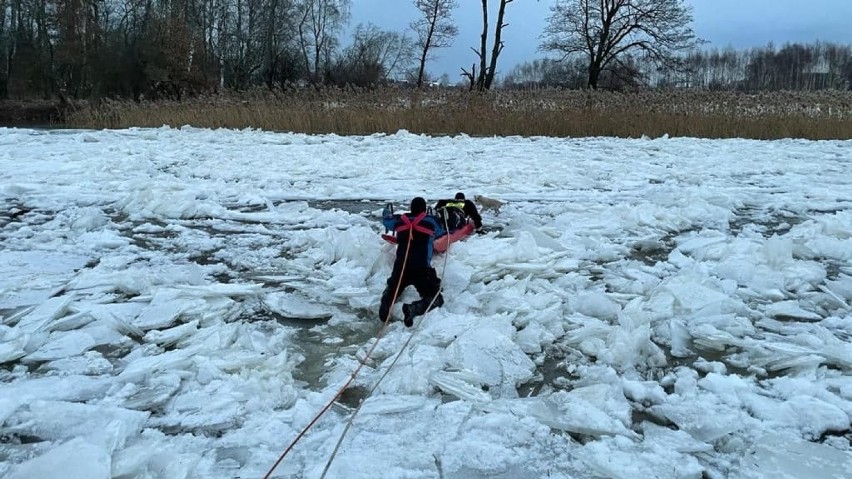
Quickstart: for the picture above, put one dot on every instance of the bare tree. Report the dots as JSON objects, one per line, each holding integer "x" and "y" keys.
{"x": 243, "y": 54}
{"x": 280, "y": 62}
{"x": 319, "y": 25}
{"x": 498, "y": 43}
{"x": 434, "y": 29}
{"x": 608, "y": 31}
{"x": 393, "y": 50}
{"x": 488, "y": 68}
{"x": 6, "y": 46}
{"x": 478, "y": 81}
{"x": 545, "y": 72}
{"x": 471, "y": 76}
{"x": 374, "y": 55}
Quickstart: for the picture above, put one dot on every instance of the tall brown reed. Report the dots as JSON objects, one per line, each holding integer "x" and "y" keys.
{"x": 816, "y": 115}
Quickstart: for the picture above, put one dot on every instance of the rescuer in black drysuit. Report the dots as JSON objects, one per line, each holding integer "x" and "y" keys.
{"x": 415, "y": 234}
{"x": 457, "y": 212}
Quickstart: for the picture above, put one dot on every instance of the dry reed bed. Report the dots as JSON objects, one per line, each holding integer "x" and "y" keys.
{"x": 813, "y": 115}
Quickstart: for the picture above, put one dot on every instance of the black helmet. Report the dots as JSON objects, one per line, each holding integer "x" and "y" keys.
{"x": 418, "y": 205}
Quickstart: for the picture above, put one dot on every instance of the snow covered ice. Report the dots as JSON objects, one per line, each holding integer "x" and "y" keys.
{"x": 180, "y": 303}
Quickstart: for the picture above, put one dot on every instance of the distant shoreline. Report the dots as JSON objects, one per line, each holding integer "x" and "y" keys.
{"x": 818, "y": 115}
{"x": 29, "y": 113}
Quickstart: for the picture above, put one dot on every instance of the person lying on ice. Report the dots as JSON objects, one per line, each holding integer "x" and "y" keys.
{"x": 413, "y": 263}
{"x": 457, "y": 212}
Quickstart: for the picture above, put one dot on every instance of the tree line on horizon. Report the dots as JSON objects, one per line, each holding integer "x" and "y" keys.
{"x": 89, "y": 49}
{"x": 792, "y": 66}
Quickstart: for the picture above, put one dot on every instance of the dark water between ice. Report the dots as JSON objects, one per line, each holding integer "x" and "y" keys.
{"x": 311, "y": 336}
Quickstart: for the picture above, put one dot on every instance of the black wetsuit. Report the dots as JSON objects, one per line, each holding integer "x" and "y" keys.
{"x": 416, "y": 257}
{"x": 466, "y": 206}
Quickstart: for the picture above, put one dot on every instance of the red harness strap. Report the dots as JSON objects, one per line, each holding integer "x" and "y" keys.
{"x": 415, "y": 225}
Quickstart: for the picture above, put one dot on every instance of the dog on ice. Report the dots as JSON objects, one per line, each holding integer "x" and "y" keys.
{"x": 488, "y": 203}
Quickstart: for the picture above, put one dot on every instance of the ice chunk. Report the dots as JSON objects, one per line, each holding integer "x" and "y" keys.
{"x": 62, "y": 345}
{"x": 207, "y": 302}
{"x": 715, "y": 367}
{"x": 831, "y": 294}
{"x": 628, "y": 347}
{"x": 813, "y": 416}
{"x": 62, "y": 388}
{"x": 223, "y": 289}
{"x": 443, "y": 333}
{"x": 842, "y": 286}
{"x": 678, "y": 441}
{"x": 384, "y": 404}
{"x": 495, "y": 358}
{"x": 543, "y": 240}
{"x": 646, "y": 392}
{"x": 12, "y": 344}
{"x": 212, "y": 408}
{"x": 107, "y": 312}
{"x": 90, "y": 363}
{"x": 295, "y": 306}
{"x": 8, "y": 405}
{"x": 680, "y": 338}
{"x": 707, "y": 336}
{"x": 148, "y": 460}
{"x": 597, "y": 305}
{"x": 108, "y": 335}
{"x": 172, "y": 203}
{"x": 597, "y": 410}
{"x": 706, "y": 246}
{"x": 714, "y": 422}
{"x": 791, "y": 309}
{"x": 71, "y": 322}
{"x": 16, "y": 316}
{"x": 526, "y": 247}
{"x": 526, "y": 268}
{"x": 123, "y": 327}
{"x": 164, "y": 309}
{"x": 733, "y": 324}
{"x": 778, "y": 251}
{"x": 785, "y": 457}
{"x": 533, "y": 337}
{"x": 156, "y": 391}
{"x": 148, "y": 366}
{"x": 461, "y": 384}
{"x": 351, "y": 292}
{"x": 132, "y": 461}
{"x": 32, "y": 277}
{"x": 75, "y": 458}
{"x": 271, "y": 278}
{"x": 840, "y": 354}
{"x": 778, "y": 355}
{"x": 40, "y": 318}
{"x": 59, "y": 420}
{"x": 620, "y": 458}
{"x": 171, "y": 336}
{"x": 691, "y": 295}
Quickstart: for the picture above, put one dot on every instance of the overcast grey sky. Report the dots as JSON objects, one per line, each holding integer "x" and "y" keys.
{"x": 738, "y": 23}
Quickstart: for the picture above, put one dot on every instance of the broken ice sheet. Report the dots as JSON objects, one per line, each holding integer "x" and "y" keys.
{"x": 598, "y": 410}
{"x": 790, "y": 457}
{"x": 290, "y": 305}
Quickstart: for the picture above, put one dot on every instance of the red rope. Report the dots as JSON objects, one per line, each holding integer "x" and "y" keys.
{"x": 354, "y": 373}
{"x": 387, "y": 371}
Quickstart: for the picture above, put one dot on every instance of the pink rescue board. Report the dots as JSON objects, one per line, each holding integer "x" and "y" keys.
{"x": 441, "y": 243}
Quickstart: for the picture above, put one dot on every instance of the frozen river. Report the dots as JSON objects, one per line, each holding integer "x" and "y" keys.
{"x": 181, "y": 303}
